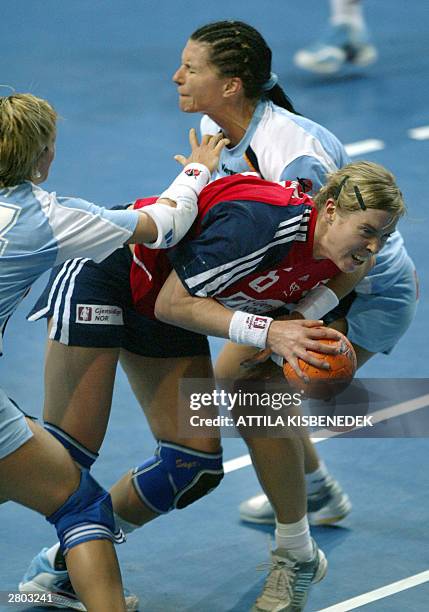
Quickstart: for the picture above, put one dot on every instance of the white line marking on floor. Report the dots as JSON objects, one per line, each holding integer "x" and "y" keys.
{"x": 380, "y": 415}
{"x": 237, "y": 464}
{"x": 386, "y": 413}
{"x": 364, "y": 146}
{"x": 381, "y": 593}
{"x": 420, "y": 133}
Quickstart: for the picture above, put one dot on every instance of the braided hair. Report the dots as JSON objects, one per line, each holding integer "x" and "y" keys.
{"x": 237, "y": 49}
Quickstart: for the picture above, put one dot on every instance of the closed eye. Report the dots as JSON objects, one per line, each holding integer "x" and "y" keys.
{"x": 368, "y": 231}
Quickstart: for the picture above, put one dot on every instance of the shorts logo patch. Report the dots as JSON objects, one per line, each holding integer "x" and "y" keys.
{"x": 94, "y": 314}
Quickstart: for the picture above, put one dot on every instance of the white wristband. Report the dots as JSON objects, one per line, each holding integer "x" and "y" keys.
{"x": 173, "y": 223}
{"x": 247, "y": 328}
{"x": 189, "y": 184}
{"x": 318, "y": 302}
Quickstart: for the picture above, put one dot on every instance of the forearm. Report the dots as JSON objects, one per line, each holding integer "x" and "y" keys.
{"x": 163, "y": 224}
{"x": 202, "y": 315}
{"x": 168, "y": 224}
{"x": 322, "y": 299}
{"x": 290, "y": 339}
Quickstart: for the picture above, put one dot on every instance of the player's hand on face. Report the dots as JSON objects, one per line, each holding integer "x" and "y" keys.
{"x": 294, "y": 338}
{"x": 207, "y": 152}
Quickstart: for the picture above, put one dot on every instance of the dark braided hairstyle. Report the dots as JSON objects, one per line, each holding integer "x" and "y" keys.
{"x": 238, "y": 50}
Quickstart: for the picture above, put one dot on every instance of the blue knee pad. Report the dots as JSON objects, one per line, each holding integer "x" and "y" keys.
{"x": 176, "y": 476}
{"x": 86, "y": 515}
{"x": 83, "y": 456}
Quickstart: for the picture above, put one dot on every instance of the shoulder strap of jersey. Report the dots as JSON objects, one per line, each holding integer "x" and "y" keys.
{"x": 249, "y": 186}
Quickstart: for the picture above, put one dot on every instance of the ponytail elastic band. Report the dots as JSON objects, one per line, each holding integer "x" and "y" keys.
{"x": 273, "y": 80}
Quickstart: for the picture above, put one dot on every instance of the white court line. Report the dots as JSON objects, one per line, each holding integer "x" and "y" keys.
{"x": 386, "y": 413}
{"x": 381, "y": 593}
{"x": 379, "y": 415}
{"x": 364, "y": 146}
{"x": 420, "y": 133}
{"x": 245, "y": 460}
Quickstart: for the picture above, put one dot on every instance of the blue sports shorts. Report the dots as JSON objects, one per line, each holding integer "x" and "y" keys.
{"x": 91, "y": 306}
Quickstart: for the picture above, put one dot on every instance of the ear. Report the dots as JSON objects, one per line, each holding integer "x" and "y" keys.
{"x": 232, "y": 86}
{"x": 41, "y": 169}
{"x": 329, "y": 210}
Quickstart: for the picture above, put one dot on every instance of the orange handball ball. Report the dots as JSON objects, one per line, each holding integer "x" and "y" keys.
{"x": 325, "y": 383}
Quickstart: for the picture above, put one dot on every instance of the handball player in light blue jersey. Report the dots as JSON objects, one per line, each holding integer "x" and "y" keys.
{"x": 38, "y": 230}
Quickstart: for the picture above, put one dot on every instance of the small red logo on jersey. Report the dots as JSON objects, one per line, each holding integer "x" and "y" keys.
{"x": 305, "y": 184}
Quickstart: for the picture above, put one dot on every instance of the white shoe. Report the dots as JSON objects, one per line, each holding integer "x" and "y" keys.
{"x": 288, "y": 582}
{"x": 340, "y": 46}
{"x": 328, "y": 506}
{"x": 56, "y": 588}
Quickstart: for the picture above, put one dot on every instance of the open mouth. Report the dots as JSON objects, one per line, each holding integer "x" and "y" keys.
{"x": 359, "y": 260}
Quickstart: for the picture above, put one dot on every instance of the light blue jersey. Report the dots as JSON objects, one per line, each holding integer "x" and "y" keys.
{"x": 39, "y": 230}
{"x": 280, "y": 146}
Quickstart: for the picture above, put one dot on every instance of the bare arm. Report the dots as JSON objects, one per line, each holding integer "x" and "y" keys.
{"x": 291, "y": 339}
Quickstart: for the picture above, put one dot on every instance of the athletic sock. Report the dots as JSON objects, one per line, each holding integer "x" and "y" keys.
{"x": 55, "y": 558}
{"x": 315, "y": 480}
{"x": 295, "y": 539}
{"x": 347, "y": 12}
{"x": 126, "y": 526}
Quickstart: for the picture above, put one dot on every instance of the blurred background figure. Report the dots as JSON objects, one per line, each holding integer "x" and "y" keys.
{"x": 345, "y": 42}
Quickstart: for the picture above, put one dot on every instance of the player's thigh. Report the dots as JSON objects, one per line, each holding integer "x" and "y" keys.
{"x": 78, "y": 390}
{"x": 39, "y": 474}
{"x": 156, "y": 383}
{"x": 87, "y": 305}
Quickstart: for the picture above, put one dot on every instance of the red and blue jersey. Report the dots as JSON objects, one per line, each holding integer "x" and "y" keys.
{"x": 250, "y": 248}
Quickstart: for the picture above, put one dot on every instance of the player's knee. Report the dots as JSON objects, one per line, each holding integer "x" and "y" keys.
{"x": 86, "y": 515}
{"x": 176, "y": 476}
{"x": 82, "y": 455}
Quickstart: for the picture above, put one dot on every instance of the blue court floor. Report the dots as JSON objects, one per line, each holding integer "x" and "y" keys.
{"x": 107, "y": 67}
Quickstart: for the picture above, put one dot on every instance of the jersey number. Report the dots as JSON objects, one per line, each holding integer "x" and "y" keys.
{"x": 8, "y": 217}
{"x": 263, "y": 282}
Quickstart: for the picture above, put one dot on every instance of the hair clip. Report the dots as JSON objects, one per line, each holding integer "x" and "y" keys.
{"x": 340, "y": 186}
{"x": 358, "y": 194}
{"x": 359, "y": 197}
